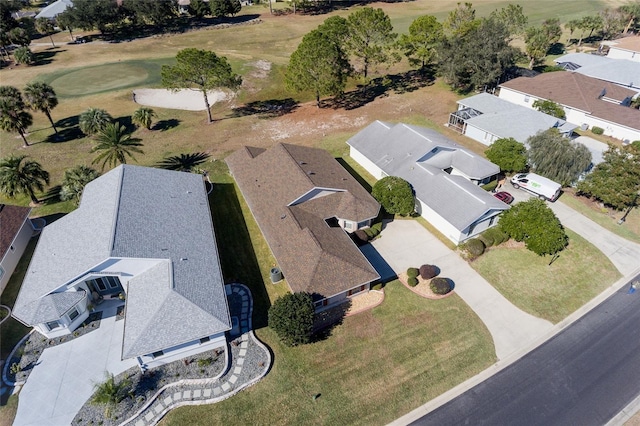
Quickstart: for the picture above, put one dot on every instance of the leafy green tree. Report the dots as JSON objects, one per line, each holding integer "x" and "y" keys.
{"x": 152, "y": 12}
{"x": 536, "y": 45}
{"x": 93, "y": 120}
{"x": 143, "y": 116}
{"x": 110, "y": 393}
{"x": 199, "y": 9}
{"x": 21, "y": 176}
{"x": 615, "y": 181}
{"x": 115, "y": 144}
{"x": 95, "y": 14}
{"x": 555, "y": 157}
{"x": 535, "y": 223}
{"x": 223, "y": 8}
{"x": 371, "y": 38}
{"x": 552, "y": 29}
{"x": 317, "y": 65}
{"x": 74, "y": 181}
{"x": 514, "y": 18}
{"x": 478, "y": 58}
{"x": 23, "y": 55}
{"x": 19, "y": 36}
{"x": 201, "y": 69}
{"x": 13, "y": 117}
{"x": 460, "y": 21}
{"x": 336, "y": 29}
{"x": 65, "y": 22}
{"x": 508, "y": 154}
{"x": 45, "y": 26}
{"x": 41, "y": 97}
{"x": 612, "y": 23}
{"x": 183, "y": 162}
{"x": 631, "y": 14}
{"x": 291, "y": 317}
{"x": 549, "y": 107}
{"x": 394, "y": 194}
{"x": 419, "y": 46}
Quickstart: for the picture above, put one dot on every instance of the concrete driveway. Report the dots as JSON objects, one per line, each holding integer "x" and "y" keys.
{"x": 64, "y": 377}
{"x": 405, "y": 243}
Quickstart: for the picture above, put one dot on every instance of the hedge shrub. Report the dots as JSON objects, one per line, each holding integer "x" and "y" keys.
{"x": 428, "y": 271}
{"x": 474, "y": 247}
{"x": 377, "y": 227}
{"x": 291, "y": 317}
{"x": 487, "y": 239}
{"x": 412, "y": 281}
{"x": 597, "y": 130}
{"x": 412, "y": 272}
{"x": 440, "y": 285}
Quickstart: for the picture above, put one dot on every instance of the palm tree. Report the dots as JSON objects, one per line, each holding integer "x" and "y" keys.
{"x": 143, "y": 117}
{"x": 93, "y": 120}
{"x": 45, "y": 26}
{"x": 183, "y": 162}
{"x": 75, "y": 180}
{"x": 23, "y": 55}
{"x": 110, "y": 392}
{"x": 13, "y": 117}
{"x": 115, "y": 144}
{"x": 41, "y": 97}
{"x": 19, "y": 176}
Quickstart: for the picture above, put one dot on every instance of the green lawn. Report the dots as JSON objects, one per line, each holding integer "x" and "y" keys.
{"x": 375, "y": 367}
{"x": 548, "y": 291}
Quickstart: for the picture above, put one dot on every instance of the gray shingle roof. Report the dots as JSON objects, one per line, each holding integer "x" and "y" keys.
{"x": 619, "y": 71}
{"x": 52, "y": 306}
{"x": 314, "y": 257}
{"x": 498, "y": 118}
{"x": 408, "y": 152}
{"x": 144, "y": 213}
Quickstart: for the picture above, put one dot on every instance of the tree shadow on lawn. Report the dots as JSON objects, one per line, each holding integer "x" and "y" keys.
{"x": 68, "y": 130}
{"x": 238, "y": 259}
{"x": 324, "y": 322}
{"x": 52, "y": 196}
{"x": 379, "y": 87}
{"x": 266, "y": 109}
{"x": 164, "y": 125}
{"x": 46, "y": 57}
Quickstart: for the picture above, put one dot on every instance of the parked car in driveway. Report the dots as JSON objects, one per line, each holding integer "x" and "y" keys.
{"x": 503, "y": 196}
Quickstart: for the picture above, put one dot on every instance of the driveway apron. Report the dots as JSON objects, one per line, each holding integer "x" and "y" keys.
{"x": 405, "y": 243}
{"x": 64, "y": 377}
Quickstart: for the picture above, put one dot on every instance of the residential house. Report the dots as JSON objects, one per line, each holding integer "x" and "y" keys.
{"x": 15, "y": 232}
{"x": 146, "y": 235}
{"x": 54, "y": 9}
{"x": 623, "y": 72}
{"x": 486, "y": 118}
{"x": 587, "y": 102}
{"x": 625, "y": 48}
{"x": 444, "y": 175}
{"x": 306, "y": 204}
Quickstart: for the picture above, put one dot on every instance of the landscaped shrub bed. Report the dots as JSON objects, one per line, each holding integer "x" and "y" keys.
{"x": 440, "y": 286}
{"x": 474, "y": 247}
{"x": 412, "y": 281}
{"x": 412, "y": 272}
{"x": 428, "y": 271}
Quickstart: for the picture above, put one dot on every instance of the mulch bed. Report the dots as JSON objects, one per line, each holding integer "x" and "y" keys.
{"x": 422, "y": 288}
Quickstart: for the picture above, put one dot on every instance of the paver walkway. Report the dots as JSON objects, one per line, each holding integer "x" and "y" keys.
{"x": 249, "y": 362}
{"x": 405, "y": 243}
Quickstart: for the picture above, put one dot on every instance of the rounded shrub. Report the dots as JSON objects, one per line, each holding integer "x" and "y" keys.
{"x": 412, "y": 272}
{"x": 597, "y": 130}
{"x": 487, "y": 238}
{"x": 475, "y": 247}
{"x": 440, "y": 285}
{"x": 412, "y": 281}
{"x": 428, "y": 271}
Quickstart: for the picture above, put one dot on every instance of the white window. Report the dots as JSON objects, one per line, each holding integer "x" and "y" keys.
{"x": 73, "y": 313}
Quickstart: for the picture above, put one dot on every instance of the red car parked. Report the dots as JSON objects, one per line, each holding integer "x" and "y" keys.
{"x": 505, "y": 197}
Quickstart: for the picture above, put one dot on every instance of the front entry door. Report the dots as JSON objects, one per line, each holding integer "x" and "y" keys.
{"x": 105, "y": 285}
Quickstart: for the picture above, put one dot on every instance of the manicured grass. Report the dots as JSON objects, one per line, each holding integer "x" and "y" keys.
{"x": 375, "y": 367}
{"x": 607, "y": 218}
{"x": 548, "y": 291}
{"x": 8, "y": 409}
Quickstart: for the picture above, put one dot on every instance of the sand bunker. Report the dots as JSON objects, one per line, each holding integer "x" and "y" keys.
{"x": 186, "y": 99}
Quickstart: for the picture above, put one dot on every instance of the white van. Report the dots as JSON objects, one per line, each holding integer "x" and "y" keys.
{"x": 544, "y": 188}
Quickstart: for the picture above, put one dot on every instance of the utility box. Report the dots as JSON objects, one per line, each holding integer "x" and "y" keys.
{"x": 276, "y": 275}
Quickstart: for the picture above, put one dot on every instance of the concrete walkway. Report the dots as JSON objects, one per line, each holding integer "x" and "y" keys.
{"x": 624, "y": 254}
{"x": 405, "y": 243}
{"x": 63, "y": 379}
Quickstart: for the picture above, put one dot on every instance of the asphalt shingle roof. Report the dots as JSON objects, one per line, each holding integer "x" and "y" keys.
{"x": 419, "y": 155}
{"x": 11, "y": 220}
{"x": 619, "y": 71}
{"x": 292, "y": 191}
{"x": 140, "y": 213}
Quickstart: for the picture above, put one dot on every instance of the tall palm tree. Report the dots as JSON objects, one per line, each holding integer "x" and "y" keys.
{"x": 41, "y": 97}
{"x": 75, "y": 180}
{"x": 183, "y": 162}
{"x": 143, "y": 117}
{"x": 93, "y": 120}
{"x": 45, "y": 26}
{"x": 13, "y": 117}
{"x": 114, "y": 145}
{"x": 19, "y": 176}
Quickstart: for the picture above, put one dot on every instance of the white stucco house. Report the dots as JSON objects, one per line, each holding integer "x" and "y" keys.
{"x": 145, "y": 234}
{"x": 587, "y": 101}
{"x": 445, "y": 176}
{"x": 15, "y": 232}
{"x": 486, "y": 118}
{"x": 625, "y": 48}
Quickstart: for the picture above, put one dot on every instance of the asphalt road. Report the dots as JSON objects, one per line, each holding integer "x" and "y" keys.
{"x": 583, "y": 376}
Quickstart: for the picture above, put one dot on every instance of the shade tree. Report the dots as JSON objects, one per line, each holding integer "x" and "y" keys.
{"x": 291, "y": 317}
{"x": 395, "y": 195}
{"x": 549, "y": 107}
{"x": 419, "y": 45}
{"x": 508, "y": 154}
{"x": 557, "y": 158}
